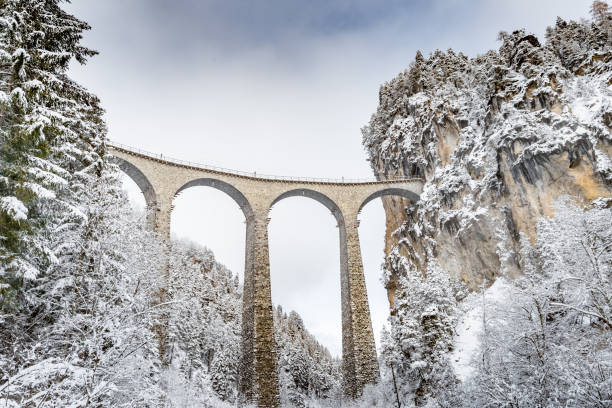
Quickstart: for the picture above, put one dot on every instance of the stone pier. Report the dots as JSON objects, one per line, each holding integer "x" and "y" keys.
{"x": 359, "y": 359}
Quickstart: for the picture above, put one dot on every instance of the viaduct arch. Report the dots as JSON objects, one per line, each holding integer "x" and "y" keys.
{"x": 143, "y": 184}
{"x": 161, "y": 179}
{"x": 227, "y": 188}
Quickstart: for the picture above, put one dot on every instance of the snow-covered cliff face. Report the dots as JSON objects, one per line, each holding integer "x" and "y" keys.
{"x": 498, "y": 138}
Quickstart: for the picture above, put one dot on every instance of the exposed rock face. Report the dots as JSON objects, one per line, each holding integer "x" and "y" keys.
{"x": 498, "y": 138}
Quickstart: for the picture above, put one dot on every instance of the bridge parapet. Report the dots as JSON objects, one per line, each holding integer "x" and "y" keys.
{"x": 250, "y": 175}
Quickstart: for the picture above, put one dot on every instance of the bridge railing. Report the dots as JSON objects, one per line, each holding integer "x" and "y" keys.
{"x": 162, "y": 157}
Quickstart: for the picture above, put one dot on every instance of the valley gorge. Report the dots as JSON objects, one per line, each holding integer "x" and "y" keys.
{"x": 495, "y": 174}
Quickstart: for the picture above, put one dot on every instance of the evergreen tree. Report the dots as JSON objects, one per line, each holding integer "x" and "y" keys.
{"x": 75, "y": 270}
{"x": 51, "y": 133}
{"x": 85, "y": 337}
{"x": 205, "y": 325}
{"x": 423, "y": 324}
{"x": 308, "y": 375}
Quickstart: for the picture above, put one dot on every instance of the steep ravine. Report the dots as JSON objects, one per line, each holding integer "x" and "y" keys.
{"x": 498, "y": 138}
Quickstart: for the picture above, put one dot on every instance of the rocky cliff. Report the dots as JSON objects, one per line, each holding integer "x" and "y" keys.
{"x": 498, "y": 138}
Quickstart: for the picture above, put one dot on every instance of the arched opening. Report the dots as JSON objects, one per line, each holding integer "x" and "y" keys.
{"x": 137, "y": 200}
{"x": 227, "y": 188}
{"x": 212, "y": 213}
{"x": 205, "y": 330}
{"x": 393, "y": 191}
{"x": 139, "y": 189}
{"x": 372, "y": 241}
{"x": 373, "y": 229}
{"x": 305, "y": 272}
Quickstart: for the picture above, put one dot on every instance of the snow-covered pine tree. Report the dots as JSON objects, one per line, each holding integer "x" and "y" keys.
{"x": 89, "y": 340}
{"x": 422, "y": 327}
{"x": 51, "y": 132}
{"x": 74, "y": 269}
{"x": 307, "y": 371}
{"x": 204, "y": 328}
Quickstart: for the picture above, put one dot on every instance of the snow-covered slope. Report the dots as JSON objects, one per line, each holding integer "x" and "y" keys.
{"x": 498, "y": 139}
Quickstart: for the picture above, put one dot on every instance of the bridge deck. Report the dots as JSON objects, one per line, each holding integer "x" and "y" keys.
{"x": 251, "y": 175}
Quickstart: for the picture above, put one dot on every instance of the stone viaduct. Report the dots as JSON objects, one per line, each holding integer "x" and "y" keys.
{"x": 160, "y": 179}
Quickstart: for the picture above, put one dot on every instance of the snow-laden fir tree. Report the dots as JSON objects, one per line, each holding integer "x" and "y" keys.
{"x": 204, "y": 330}
{"x": 205, "y": 339}
{"x": 422, "y": 329}
{"x": 75, "y": 271}
{"x": 308, "y": 374}
{"x": 51, "y": 133}
{"x": 84, "y": 338}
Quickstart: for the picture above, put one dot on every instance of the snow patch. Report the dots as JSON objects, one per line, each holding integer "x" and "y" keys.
{"x": 589, "y": 99}
{"x": 40, "y": 191}
{"x": 26, "y": 269}
{"x": 14, "y": 208}
{"x": 18, "y": 95}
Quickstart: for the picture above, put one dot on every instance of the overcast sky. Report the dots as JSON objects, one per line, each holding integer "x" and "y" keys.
{"x": 278, "y": 87}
